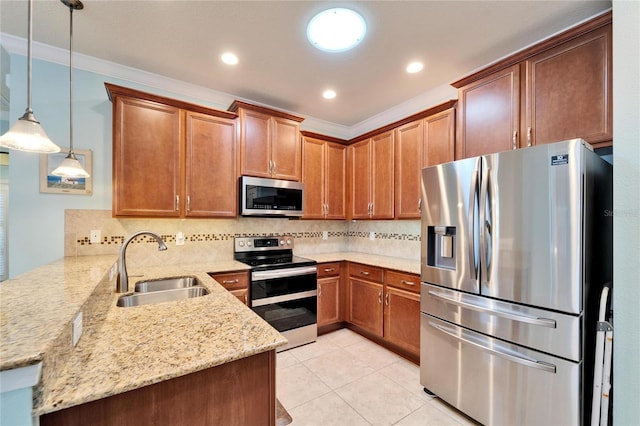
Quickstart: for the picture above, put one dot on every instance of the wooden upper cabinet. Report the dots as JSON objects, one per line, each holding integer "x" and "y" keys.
{"x": 269, "y": 142}
{"x": 171, "y": 158}
{"x": 440, "y": 137}
{"x": 409, "y": 159}
{"x": 555, "y": 90}
{"x": 371, "y": 179}
{"x": 324, "y": 173}
{"x": 210, "y": 166}
{"x": 568, "y": 91}
{"x": 146, "y": 157}
{"x": 489, "y": 114}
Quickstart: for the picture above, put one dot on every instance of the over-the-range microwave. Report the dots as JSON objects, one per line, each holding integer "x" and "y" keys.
{"x": 270, "y": 197}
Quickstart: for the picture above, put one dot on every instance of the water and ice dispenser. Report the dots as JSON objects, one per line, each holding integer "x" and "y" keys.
{"x": 441, "y": 242}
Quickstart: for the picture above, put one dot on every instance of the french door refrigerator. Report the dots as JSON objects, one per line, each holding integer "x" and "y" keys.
{"x": 516, "y": 247}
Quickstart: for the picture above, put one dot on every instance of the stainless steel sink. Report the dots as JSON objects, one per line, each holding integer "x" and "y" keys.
{"x": 166, "y": 284}
{"x": 161, "y": 296}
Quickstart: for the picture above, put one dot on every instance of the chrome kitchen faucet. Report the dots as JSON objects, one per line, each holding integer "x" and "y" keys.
{"x": 122, "y": 281}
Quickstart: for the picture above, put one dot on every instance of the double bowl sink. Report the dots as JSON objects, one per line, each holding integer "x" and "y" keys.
{"x": 163, "y": 290}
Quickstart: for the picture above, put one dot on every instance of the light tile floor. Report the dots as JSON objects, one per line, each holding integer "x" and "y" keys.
{"x": 345, "y": 379}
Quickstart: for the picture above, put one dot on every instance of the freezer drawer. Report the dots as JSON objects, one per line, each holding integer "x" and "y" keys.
{"x": 546, "y": 331}
{"x": 497, "y": 383}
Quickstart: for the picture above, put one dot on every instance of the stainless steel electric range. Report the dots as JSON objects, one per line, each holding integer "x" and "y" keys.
{"x": 283, "y": 287}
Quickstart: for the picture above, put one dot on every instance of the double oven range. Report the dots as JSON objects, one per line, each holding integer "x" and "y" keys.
{"x": 283, "y": 288}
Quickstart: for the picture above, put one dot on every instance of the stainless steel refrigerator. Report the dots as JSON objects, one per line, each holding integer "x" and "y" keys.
{"x": 516, "y": 247}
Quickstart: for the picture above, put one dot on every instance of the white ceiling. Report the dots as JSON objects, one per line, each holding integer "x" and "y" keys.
{"x": 183, "y": 40}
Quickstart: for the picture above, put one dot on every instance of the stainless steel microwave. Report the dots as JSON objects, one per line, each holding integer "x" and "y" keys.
{"x": 270, "y": 197}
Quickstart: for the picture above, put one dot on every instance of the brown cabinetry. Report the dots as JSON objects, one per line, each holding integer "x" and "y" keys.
{"x": 365, "y": 298}
{"x": 269, "y": 142}
{"x": 371, "y": 177}
{"x": 324, "y": 174}
{"x": 170, "y": 158}
{"x": 329, "y": 294}
{"x": 402, "y": 311}
{"x": 418, "y": 144}
{"x": 556, "y": 90}
{"x": 237, "y": 283}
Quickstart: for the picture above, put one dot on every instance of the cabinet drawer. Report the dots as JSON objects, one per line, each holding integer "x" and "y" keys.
{"x": 403, "y": 280}
{"x": 232, "y": 280}
{"x": 370, "y": 273}
{"x": 331, "y": 269}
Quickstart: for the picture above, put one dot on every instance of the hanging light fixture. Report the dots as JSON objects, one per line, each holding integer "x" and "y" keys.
{"x": 70, "y": 166}
{"x": 27, "y": 134}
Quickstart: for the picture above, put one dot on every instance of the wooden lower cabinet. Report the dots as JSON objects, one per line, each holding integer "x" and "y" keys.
{"x": 365, "y": 305}
{"x": 328, "y": 301}
{"x": 239, "y": 393}
{"x": 402, "y": 319}
{"x": 237, "y": 283}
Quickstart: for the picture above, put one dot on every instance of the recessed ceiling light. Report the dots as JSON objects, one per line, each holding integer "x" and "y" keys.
{"x": 336, "y": 30}
{"x": 414, "y": 67}
{"x": 329, "y": 94}
{"x": 229, "y": 58}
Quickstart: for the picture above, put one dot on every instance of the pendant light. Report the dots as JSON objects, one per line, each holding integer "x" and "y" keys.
{"x": 70, "y": 166}
{"x": 27, "y": 134}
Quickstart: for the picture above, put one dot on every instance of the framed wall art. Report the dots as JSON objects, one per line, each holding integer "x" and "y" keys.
{"x": 62, "y": 185}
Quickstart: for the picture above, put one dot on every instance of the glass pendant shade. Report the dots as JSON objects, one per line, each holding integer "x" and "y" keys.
{"x": 70, "y": 167}
{"x": 28, "y": 135}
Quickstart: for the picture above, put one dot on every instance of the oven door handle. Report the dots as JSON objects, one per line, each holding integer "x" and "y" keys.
{"x": 284, "y": 298}
{"x": 283, "y": 273}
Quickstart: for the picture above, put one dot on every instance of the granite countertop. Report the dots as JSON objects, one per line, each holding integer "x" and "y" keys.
{"x": 126, "y": 348}
{"x": 404, "y": 265}
{"x": 121, "y": 348}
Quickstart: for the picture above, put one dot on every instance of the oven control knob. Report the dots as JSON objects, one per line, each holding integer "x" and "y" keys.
{"x": 281, "y": 242}
{"x": 288, "y": 242}
{"x": 248, "y": 243}
{"x": 241, "y": 243}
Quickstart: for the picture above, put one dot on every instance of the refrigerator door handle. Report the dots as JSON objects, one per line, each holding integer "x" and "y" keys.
{"x": 482, "y": 209}
{"x": 543, "y": 322}
{"x": 533, "y": 363}
{"x": 473, "y": 196}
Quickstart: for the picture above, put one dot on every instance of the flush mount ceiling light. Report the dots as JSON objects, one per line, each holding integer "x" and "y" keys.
{"x": 229, "y": 58}
{"x": 70, "y": 166}
{"x": 336, "y": 29}
{"x": 329, "y": 94}
{"x": 27, "y": 134}
{"x": 414, "y": 67}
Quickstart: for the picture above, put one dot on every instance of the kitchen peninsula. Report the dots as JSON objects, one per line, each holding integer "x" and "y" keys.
{"x": 125, "y": 350}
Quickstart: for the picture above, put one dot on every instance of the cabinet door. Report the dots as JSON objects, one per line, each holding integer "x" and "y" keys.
{"x": 382, "y": 176}
{"x": 489, "y": 114}
{"x": 336, "y": 181}
{"x": 402, "y": 319}
{"x": 241, "y": 295}
{"x": 568, "y": 91}
{"x": 365, "y": 305}
{"x": 328, "y": 300}
{"x": 285, "y": 149}
{"x": 408, "y": 164}
{"x": 313, "y": 176}
{"x": 439, "y": 131}
{"x": 210, "y": 166}
{"x": 255, "y": 134}
{"x": 360, "y": 182}
{"x": 147, "y": 156}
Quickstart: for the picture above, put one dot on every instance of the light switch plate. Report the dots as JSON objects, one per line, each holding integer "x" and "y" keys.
{"x": 180, "y": 239}
{"x": 95, "y": 236}
{"x": 325, "y": 235}
{"x": 372, "y": 235}
{"x": 76, "y": 329}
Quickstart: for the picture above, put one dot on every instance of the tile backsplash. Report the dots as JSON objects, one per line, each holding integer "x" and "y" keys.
{"x": 212, "y": 239}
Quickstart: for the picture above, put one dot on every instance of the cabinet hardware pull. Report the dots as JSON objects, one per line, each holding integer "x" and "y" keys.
{"x": 408, "y": 282}
{"x": 529, "y": 136}
{"x": 329, "y": 269}
{"x": 419, "y": 205}
{"x": 274, "y": 167}
{"x": 319, "y": 290}
{"x": 515, "y": 137}
{"x": 380, "y": 297}
{"x": 177, "y": 202}
{"x": 245, "y": 299}
{"x": 364, "y": 272}
{"x": 230, "y": 281}
{"x": 386, "y": 299}
{"x": 188, "y": 203}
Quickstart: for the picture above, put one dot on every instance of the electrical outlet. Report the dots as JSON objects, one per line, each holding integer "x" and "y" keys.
{"x": 94, "y": 237}
{"x": 372, "y": 235}
{"x": 179, "y": 239}
{"x": 325, "y": 235}
{"x": 76, "y": 329}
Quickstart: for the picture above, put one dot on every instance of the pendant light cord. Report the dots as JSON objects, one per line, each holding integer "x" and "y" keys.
{"x": 70, "y": 79}
{"x": 29, "y": 41}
